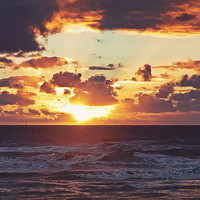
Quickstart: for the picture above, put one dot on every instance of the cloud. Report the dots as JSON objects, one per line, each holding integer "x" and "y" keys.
{"x": 165, "y": 90}
{"x": 187, "y": 106}
{"x": 170, "y": 17}
{"x": 20, "y": 82}
{"x": 151, "y": 104}
{"x": 101, "y": 68}
{"x": 33, "y": 111}
{"x": 184, "y": 65}
{"x": 96, "y": 91}
{"x": 173, "y": 118}
{"x": 35, "y": 117}
{"x": 47, "y": 88}
{"x": 143, "y": 74}
{"x": 23, "y": 99}
{"x": 193, "y": 81}
{"x": 44, "y": 17}
{"x": 22, "y": 54}
{"x": 19, "y": 18}
{"x": 4, "y": 60}
{"x": 187, "y": 96}
{"x": 45, "y": 111}
{"x": 185, "y": 17}
{"x": 108, "y": 67}
{"x": 146, "y": 104}
{"x": 65, "y": 79}
{"x": 43, "y": 62}
{"x": 18, "y": 111}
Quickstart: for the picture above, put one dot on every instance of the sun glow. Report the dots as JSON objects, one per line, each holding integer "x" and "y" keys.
{"x": 84, "y": 113}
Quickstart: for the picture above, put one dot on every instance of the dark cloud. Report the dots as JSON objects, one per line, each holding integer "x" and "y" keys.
{"x": 97, "y": 78}
{"x": 193, "y": 81}
{"x": 22, "y": 54}
{"x": 165, "y": 90}
{"x": 23, "y": 99}
{"x": 108, "y": 67}
{"x": 20, "y": 82}
{"x": 34, "y": 117}
{"x": 33, "y": 111}
{"x": 43, "y": 62}
{"x": 185, "y": 17}
{"x": 187, "y": 96}
{"x": 65, "y": 79}
{"x": 101, "y": 68}
{"x": 151, "y": 104}
{"x": 4, "y": 60}
{"x": 147, "y": 104}
{"x": 45, "y": 111}
{"x": 18, "y": 111}
{"x": 143, "y": 74}
{"x": 47, "y": 88}
{"x": 187, "y": 106}
{"x": 21, "y": 21}
{"x": 145, "y": 15}
{"x": 17, "y": 18}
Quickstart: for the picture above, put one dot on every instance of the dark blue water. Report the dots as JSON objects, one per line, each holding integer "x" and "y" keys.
{"x": 99, "y": 162}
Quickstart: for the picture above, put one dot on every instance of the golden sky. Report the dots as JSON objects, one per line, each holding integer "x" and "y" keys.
{"x": 100, "y": 62}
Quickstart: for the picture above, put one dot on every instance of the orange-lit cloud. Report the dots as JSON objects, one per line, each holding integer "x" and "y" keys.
{"x": 36, "y": 20}
{"x": 154, "y": 17}
{"x": 184, "y": 65}
{"x": 20, "y": 98}
{"x": 19, "y": 82}
{"x": 143, "y": 74}
{"x": 43, "y": 62}
{"x": 69, "y": 99}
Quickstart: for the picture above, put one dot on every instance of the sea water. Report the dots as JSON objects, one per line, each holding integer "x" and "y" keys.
{"x": 99, "y": 162}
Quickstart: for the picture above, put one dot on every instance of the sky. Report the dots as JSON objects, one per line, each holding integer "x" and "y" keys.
{"x": 105, "y": 62}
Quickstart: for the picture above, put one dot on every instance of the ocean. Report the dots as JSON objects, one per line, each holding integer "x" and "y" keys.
{"x": 99, "y": 162}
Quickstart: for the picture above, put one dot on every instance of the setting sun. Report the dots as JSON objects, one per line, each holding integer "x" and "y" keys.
{"x": 84, "y": 113}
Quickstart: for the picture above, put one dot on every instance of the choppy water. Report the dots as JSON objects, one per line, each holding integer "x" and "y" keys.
{"x": 99, "y": 162}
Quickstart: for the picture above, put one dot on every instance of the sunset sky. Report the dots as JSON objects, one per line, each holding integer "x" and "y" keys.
{"x": 100, "y": 62}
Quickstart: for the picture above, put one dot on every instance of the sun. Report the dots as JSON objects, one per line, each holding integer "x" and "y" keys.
{"x": 84, "y": 113}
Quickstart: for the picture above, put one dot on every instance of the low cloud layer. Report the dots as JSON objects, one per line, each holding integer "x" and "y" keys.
{"x": 22, "y": 99}
{"x": 19, "y": 82}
